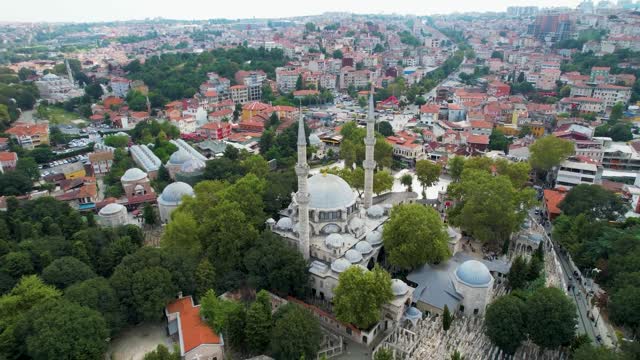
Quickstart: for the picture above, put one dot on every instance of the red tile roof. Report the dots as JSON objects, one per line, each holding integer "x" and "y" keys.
{"x": 552, "y": 199}
{"x": 193, "y": 330}
{"x": 8, "y": 156}
{"x": 24, "y": 129}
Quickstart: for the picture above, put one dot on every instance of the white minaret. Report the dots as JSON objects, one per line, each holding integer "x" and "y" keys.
{"x": 369, "y": 163}
{"x": 302, "y": 196}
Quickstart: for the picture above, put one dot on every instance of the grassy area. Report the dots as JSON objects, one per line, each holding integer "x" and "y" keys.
{"x": 57, "y": 116}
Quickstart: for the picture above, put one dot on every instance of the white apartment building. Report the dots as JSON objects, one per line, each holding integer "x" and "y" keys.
{"x": 572, "y": 173}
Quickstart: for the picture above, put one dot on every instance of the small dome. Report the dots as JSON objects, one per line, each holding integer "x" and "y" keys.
{"x": 284, "y": 224}
{"x": 374, "y": 237}
{"x": 270, "y": 221}
{"x": 328, "y": 191}
{"x": 356, "y": 223}
{"x": 296, "y": 228}
{"x": 399, "y": 287}
{"x": 375, "y": 211}
{"x": 364, "y": 247}
{"x": 340, "y": 265}
{"x": 330, "y": 229}
{"x": 314, "y": 139}
{"x": 174, "y": 192}
{"x": 473, "y": 273}
{"x": 354, "y": 256}
{"x": 536, "y": 238}
{"x": 413, "y": 312}
{"x": 133, "y": 174}
{"x": 111, "y": 209}
{"x": 334, "y": 241}
{"x": 179, "y": 157}
{"x": 192, "y": 165}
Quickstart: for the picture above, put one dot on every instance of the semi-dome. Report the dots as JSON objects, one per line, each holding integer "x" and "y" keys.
{"x": 111, "y": 209}
{"x": 192, "y": 165}
{"x": 340, "y": 265}
{"x": 375, "y": 211}
{"x": 314, "y": 139}
{"x": 330, "y": 229}
{"x": 354, "y": 256}
{"x": 284, "y": 223}
{"x": 374, "y": 237}
{"x": 179, "y": 157}
{"x": 329, "y": 191}
{"x": 473, "y": 273}
{"x": 133, "y": 174}
{"x": 364, "y": 247}
{"x": 356, "y": 223}
{"x": 174, "y": 192}
{"x": 399, "y": 287}
{"x": 334, "y": 241}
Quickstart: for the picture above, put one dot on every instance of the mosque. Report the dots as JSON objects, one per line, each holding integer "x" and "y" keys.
{"x": 334, "y": 229}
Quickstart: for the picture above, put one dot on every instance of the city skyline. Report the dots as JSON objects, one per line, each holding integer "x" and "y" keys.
{"x": 120, "y": 10}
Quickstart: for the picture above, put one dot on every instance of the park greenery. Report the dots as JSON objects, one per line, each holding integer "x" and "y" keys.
{"x": 352, "y": 148}
{"x": 546, "y": 316}
{"x": 413, "y": 236}
{"x": 177, "y": 76}
{"x": 486, "y": 188}
{"x": 360, "y": 294}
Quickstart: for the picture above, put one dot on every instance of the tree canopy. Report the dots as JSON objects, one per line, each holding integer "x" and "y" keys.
{"x": 415, "y": 235}
{"x": 505, "y": 323}
{"x": 593, "y": 201}
{"x": 360, "y": 294}
{"x": 549, "y": 151}
{"x": 296, "y": 333}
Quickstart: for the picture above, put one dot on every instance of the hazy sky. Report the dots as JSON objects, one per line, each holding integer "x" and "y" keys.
{"x": 107, "y": 10}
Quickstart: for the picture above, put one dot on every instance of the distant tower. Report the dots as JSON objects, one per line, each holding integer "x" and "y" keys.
{"x": 302, "y": 197}
{"x": 69, "y": 72}
{"x": 369, "y": 163}
{"x": 148, "y": 105}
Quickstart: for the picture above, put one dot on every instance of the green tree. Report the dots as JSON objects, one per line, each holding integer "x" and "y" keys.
{"x": 258, "y": 327}
{"x": 118, "y": 141}
{"x": 497, "y": 141}
{"x": 550, "y": 318}
{"x": 414, "y": 235}
{"x": 63, "y": 330}
{"x": 296, "y": 332}
{"x": 447, "y": 318}
{"x": 299, "y": 83}
{"x": 624, "y": 307}
{"x": 14, "y": 307}
{"x": 407, "y": 180}
{"x": 385, "y": 128}
{"x": 382, "y": 181}
{"x": 66, "y": 271}
{"x": 217, "y": 311}
{"x": 428, "y": 174}
{"x": 97, "y": 294}
{"x": 505, "y": 323}
{"x": 383, "y": 354}
{"x": 593, "y": 201}
{"x": 29, "y": 168}
{"x": 205, "y": 277}
{"x": 590, "y": 352}
{"x": 549, "y": 151}
{"x": 479, "y": 197}
{"x": 616, "y": 113}
{"x": 337, "y": 54}
{"x": 162, "y": 353}
{"x": 360, "y": 294}
{"x": 517, "y": 275}
{"x": 16, "y": 264}
{"x": 456, "y": 165}
{"x": 149, "y": 214}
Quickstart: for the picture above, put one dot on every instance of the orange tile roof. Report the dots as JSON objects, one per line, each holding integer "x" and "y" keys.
{"x": 481, "y": 124}
{"x": 24, "y": 129}
{"x": 552, "y": 199}
{"x": 8, "y": 156}
{"x": 193, "y": 329}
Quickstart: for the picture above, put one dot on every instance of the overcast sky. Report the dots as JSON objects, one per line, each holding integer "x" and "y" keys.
{"x": 88, "y": 10}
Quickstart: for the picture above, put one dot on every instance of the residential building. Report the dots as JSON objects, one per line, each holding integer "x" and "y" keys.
{"x": 239, "y": 94}
{"x": 30, "y": 135}
{"x": 196, "y": 338}
{"x": 8, "y": 160}
{"x": 582, "y": 104}
{"x": 216, "y": 130}
{"x": 101, "y": 161}
{"x": 406, "y": 148}
{"x": 120, "y": 86}
{"x": 578, "y": 170}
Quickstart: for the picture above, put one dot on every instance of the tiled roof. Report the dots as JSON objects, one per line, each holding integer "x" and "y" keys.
{"x": 193, "y": 330}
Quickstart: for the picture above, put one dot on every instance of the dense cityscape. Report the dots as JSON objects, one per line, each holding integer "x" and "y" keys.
{"x": 336, "y": 186}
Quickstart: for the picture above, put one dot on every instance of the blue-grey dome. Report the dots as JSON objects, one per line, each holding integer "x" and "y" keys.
{"x": 334, "y": 241}
{"x": 314, "y": 139}
{"x": 329, "y": 191}
{"x": 174, "y": 193}
{"x": 354, "y": 256}
{"x": 192, "y": 165}
{"x": 133, "y": 174}
{"x": 473, "y": 273}
{"x": 284, "y": 223}
{"x": 413, "y": 313}
{"x": 374, "y": 237}
{"x": 399, "y": 287}
{"x": 364, "y": 247}
{"x": 111, "y": 209}
{"x": 375, "y": 211}
{"x": 179, "y": 157}
{"x": 340, "y": 265}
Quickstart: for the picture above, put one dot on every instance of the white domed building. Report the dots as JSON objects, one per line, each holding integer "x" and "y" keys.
{"x": 113, "y": 215}
{"x": 171, "y": 198}
{"x": 135, "y": 182}
{"x": 176, "y": 161}
{"x": 474, "y": 282}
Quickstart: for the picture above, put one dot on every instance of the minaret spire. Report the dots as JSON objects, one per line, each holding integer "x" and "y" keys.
{"x": 302, "y": 197}
{"x": 369, "y": 163}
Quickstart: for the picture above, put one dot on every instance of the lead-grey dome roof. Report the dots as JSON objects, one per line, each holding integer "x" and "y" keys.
{"x": 314, "y": 139}
{"x": 133, "y": 174}
{"x": 111, "y": 209}
{"x": 473, "y": 273}
{"x": 174, "y": 192}
{"x": 374, "y": 237}
{"x": 375, "y": 211}
{"x": 340, "y": 265}
{"x": 329, "y": 191}
{"x": 364, "y": 247}
{"x": 179, "y": 157}
{"x": 284, "y": 223}
{"x": 334, "y": 241}
{"x": 353, "y": 256}
{"x": 192, "y": 165}
{"x": 399, "y": 287}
